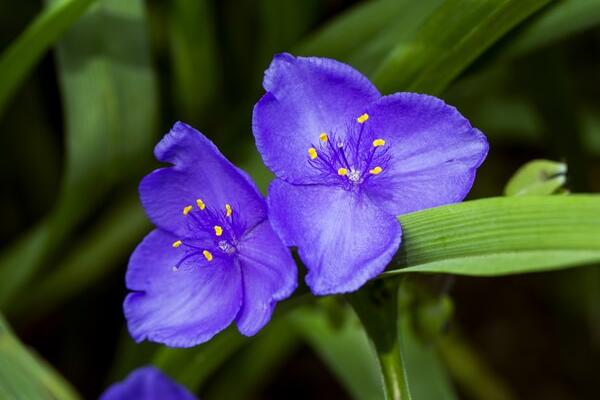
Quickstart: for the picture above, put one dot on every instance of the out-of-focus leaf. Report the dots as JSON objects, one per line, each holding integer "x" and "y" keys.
{"x": 23, "y": 375}
{"x": 193, "y": 366}
{"x": 344, "y": 349}
{"x": 425, "y": 375}
{"x": 366, "y": 33}
{"x": 97, "y": 255}
{"x": 500, "y": 236}
{"x": 469, "y": 370}
{"x": 537, "y": 177}
{"x": 353, "y": 29}
{"x": 368, "y": 55}
{"x": 193, "y": 56}
{"x": 256, "y": 365}
{"x": 22, "y": 55}
{"x": 454, "y": 35}
{"x": 560, "y": 20}
{"x": 110, "y": 105}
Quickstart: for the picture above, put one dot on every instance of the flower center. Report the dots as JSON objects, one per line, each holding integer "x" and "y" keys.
{"x": 352, "y": 161}
{"x": 212, "y": 233}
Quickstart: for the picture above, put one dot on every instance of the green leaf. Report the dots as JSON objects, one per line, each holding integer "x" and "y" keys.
{"x": 353, "y": 29}
{"x": 562, "y": 19}
{"x": 98, "y": 253}
{"x": 23, "y": 375}
{"x": 191, "y": 367}
{"x": 448, "y": 41}
{"x": 110, "y": 102}
{"x": 426, "y": 376}
{"x": 537, "y": 177}
{"x": 193, "y": 56}
{"x": 500, "y": 236}
{"x": 368, "y": 56}
{"x": 23, "y": 54}
{"x": 471, "y": 371}
{"x": 344, "y": 349}
{"x": 254, "y": 367}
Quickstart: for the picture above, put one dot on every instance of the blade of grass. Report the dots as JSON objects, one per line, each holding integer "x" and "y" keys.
{"x": 448, "y": 41}
{"x": 500, "y": 236}
{"x": 558, "y": 21}
{"x": 344, "y": 349}
{"x": 110, "y": 109}
{"x": 17, "y": 61}
{"x": 23, "y": 375}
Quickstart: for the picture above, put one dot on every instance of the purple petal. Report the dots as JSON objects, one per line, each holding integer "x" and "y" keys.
{"x": 269, "y": 274}
{"x": 147, "y": 383}
{"x": 434, "y": 153}
{"x": 200, "y": 171}
{"x": 179, "y": 308}
{"x": 305, "y": 97}
{"x": 342, "y": 237}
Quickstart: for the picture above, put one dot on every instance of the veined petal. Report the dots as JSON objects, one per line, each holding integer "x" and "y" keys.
{"x": 178, "y": 308}
{"x": 269, "y": 274}
{"x": 342, "y": 237}
{"x": 199, "y": 171}
{"x": 147, "y": 383}
{"x": 434, "y": 153}
{"x": 306, "y": 96}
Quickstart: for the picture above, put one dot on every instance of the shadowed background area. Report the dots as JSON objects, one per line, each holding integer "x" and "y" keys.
{"x": 95, "y": 84}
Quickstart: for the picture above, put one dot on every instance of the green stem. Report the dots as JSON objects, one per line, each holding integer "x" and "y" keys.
{"x": 377, "y": 308}
{"x": 392, "y": 368}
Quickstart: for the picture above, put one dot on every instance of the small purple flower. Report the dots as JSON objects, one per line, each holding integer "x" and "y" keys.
{"x": 213, "y": 258}
{"x": 147, "y": 383}
{"x": 348, "y": 161}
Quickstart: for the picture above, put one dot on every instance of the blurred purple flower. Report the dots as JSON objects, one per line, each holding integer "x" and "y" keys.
{"x": 146, "y": 383}
{"x": 213, "y": 258}
{"x": 348, "y": 161}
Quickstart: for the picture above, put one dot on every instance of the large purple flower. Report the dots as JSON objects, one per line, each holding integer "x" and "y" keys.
{"x": 213, "y": 258}
{"x": 348, "y": 161}
{"x": 147, "y": 383}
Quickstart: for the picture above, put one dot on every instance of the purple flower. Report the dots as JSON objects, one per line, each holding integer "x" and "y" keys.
{"x": 147, "y": 383}
{"x": 213, "y": 258}
{"x": 348, "y": 161}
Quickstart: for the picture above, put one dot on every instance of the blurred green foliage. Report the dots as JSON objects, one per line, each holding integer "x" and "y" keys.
{"x": 88, "y": 86}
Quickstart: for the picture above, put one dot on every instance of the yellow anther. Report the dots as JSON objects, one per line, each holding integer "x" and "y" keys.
{"x": 218, "y": 230}
{"x": 323, "y": 137}
{"x": 378, "y": 142}
{"x": 208, "y": 255}
{"x": 362, "y": 118}
{"x": 228, "y": 210}
{"x": 312, "y": 153}
{"x": 200, "y": 204}
{"x": 177, "y": 243}
{"x": 187, "y": 209}
{"x": 376, "y": 170}
{"x": 342, "y": 172}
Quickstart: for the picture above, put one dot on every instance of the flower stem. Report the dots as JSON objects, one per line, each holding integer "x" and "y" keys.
{"x": 393, "y": 374}
{"x": 377, "y": 308}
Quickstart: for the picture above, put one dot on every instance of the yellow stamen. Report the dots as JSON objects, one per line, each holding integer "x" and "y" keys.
{"x": 376, "y": 170}
{"x": 312, "y": 153}
{"x": 177, "y": 243}
{"x": 218, "y": 230}
{"x": 200, "y": 204}
{"x": 187, "y": 209}
{"x": 342, "y": 171}
{"x": 362, "y": 118}
{"x": 208, "y": 255}
{"x": 378, "y": 142}
{"x": 228, "y": 210}
{"x": 323, "y": 137}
